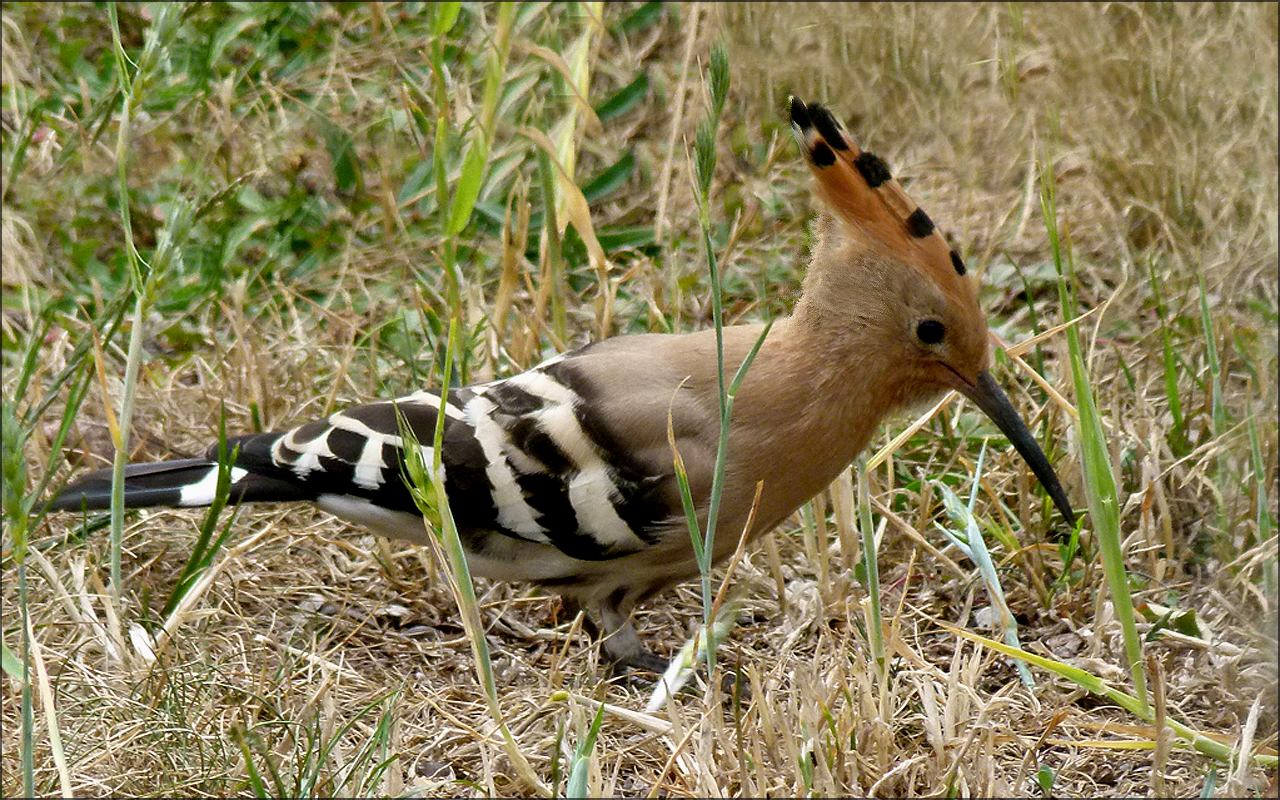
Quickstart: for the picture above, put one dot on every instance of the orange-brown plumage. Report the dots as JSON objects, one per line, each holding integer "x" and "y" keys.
{"x": 882, "y": 211}
{"x": 875, "y": 216}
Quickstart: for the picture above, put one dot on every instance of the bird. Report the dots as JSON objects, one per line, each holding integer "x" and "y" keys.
{"x": 563, "y": 476}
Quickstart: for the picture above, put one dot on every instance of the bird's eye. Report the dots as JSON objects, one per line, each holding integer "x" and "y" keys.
{"x": 930, "y": 331}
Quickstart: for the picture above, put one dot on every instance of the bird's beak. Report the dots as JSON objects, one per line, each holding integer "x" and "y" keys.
{"x": 989, "y": 397}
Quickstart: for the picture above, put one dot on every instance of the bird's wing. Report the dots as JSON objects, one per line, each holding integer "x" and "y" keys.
{"x": 525, "y": 457}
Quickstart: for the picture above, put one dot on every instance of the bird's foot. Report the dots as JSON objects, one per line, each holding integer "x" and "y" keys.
{"x": 641, "y": 661}
{"x": 731, "y": 681}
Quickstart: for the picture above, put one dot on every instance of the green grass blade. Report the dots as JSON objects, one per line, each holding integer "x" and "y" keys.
{"x": 1099, "y": 480}
{"x": 1218, "y": 410}
{"x": 467, "y": 188}
{"x": 31, "y": 358}
{"x": 325, "y": 751}
{"x": 1177, "y": 437}
{"x": 14, "y": 472}
{"x": 109, "y": 322}
{"x": 256, "y": 785}
{"x": 552, "y": 243}
{"x": 686, "y": 502}
{"x": 681, "y": 668}
{"x": 975, "y": 547}
{"x": 871, "y": 567}
{"x": 639, "y": 19}
{"x": 741, "y": 374}
{"x": 206, "y": 547}
{"x": 11, "y": 664}
{"x": 612, "y": 178}
{"x": 70, "y": 412}
{"x": 474, "y": 163}
{"x": 1137, "y": 707}
{"x": 580, "y": 766}
{"x": 1210, "y": 785}
{"x": 446, "y": 16}
{"x": 625, "y": 99}
{"x": 1264, "y": 521}
{"x": 424, "y": 484}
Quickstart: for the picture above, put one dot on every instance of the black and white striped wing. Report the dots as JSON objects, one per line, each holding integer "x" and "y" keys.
{"x": 522, "y": 457}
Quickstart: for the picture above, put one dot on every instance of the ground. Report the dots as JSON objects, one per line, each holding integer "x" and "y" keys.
{"x": 279, "y": 181}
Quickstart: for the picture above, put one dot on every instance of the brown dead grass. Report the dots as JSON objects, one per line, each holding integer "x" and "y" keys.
{"x": 1162, "y": 124}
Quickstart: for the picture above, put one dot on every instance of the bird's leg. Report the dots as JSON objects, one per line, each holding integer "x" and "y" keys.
{"x": 571, "y": 609}
{"x": 622, "y": 645}
{"x": 620, "y": 641}
{"x": 643, "y": 660}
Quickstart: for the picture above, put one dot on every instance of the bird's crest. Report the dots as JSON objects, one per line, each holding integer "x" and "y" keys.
{"x": 862, "y": 192}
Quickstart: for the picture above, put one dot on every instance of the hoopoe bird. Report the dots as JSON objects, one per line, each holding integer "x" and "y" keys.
{"x": 563, "y": 475}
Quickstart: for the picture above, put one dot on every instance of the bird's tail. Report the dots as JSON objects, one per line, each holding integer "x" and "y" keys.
{"x": 185, "y": 483}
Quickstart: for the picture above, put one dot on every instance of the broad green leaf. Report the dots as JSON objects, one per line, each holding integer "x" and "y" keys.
{"x": 611, "y": 179}
{"x": 1045, "y": 778}
{"x": 1181, "y": 620}
{"x": 638, "y": 20}
{"x": 468, "y": 186}
{"x": 446, "y": 16}
{"x": 346, "y": 170}
{"x": 12, "y": 664}
{"x": 624, "y": 99}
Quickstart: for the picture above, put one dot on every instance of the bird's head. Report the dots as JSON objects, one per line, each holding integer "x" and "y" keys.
{"x": 883, "y": 271}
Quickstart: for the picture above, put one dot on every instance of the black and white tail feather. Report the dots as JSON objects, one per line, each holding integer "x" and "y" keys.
{"x": 187, "y": 483}
{"x": 524, "y": 462}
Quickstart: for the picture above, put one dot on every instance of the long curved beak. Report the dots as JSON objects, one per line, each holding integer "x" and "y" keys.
{"x": 989, "y": 397}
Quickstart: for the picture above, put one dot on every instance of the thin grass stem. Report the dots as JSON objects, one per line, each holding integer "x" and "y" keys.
{"x": 142, "y": 282}
{"x": 974, "y": 545}
{"x": 1099, "y": 479}
{"x": 1128, "y": 702}
{"x": 1218, "y": 411}
{"x": 427, "y": 487}
{"x": 871, "y": 568}
{"x": 1264, "y": 522}
{"x": 14, "y": 475}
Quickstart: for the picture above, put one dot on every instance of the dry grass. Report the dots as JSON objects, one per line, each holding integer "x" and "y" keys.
{"x": 1161, "y": 122}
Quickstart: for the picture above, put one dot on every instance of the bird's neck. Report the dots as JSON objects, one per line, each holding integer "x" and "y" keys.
{"x": 811, "y": 401}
